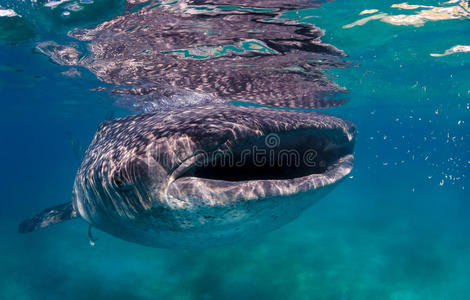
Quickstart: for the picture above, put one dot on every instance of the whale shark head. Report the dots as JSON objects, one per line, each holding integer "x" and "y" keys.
{"x": 209, "y": 175}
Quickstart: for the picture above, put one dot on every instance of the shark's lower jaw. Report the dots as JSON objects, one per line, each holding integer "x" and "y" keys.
{"x": 216, "y": 203}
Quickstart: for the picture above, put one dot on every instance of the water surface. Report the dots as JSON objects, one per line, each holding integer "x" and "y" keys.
{"x": 397, "y": 228}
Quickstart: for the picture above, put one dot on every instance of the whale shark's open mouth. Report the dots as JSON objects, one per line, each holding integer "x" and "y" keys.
{"x": 276, "y": 164}
{"x": 273, "y": 157}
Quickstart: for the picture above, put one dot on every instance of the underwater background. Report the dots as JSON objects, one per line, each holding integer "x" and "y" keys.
{"x": 397, "y": 228}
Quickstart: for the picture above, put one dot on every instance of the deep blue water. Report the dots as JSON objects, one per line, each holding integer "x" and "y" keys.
{"x": 397, "y": 228}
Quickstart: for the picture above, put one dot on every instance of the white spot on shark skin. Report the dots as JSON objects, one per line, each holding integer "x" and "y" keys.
{"x": 453, "y": 50}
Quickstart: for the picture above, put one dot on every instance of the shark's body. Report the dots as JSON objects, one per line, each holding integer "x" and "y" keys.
{"x": 204, "y": 176}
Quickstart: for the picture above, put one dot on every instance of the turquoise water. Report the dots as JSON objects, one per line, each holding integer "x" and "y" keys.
{"x": 397, "y": 228}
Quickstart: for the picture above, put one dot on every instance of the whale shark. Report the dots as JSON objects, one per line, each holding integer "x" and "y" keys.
{"x": 206, "y": 175}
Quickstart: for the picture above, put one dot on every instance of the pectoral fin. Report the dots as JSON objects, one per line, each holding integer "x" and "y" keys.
{"x": 53, "y": 215}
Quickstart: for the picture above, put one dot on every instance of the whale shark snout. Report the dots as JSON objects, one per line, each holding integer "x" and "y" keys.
{"x": 209, "y": 175}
